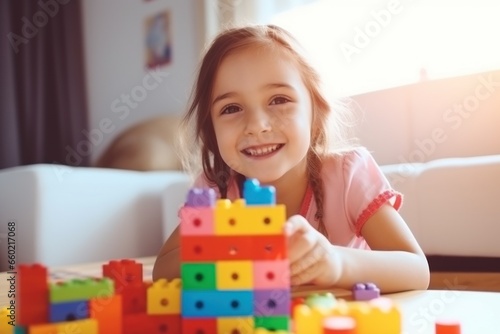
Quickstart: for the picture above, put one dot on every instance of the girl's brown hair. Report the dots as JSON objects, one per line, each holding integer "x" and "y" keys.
{"x": 199, "y": 134}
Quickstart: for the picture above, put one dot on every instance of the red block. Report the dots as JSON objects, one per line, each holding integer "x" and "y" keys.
{"x": 164, "y": 323}
{"x": 32, "y": 314}
{"x": 135, "y": 323}
{"x": 124, "y": 272}
{"x": 229, "y": 247}
{"x": 269, "y": 247}
{"x": 215, "y": 248}
{"x": 134, "y": 298}
{"x": 199, "y": 325}
{"x": 32, "y": 295}
{"x": 142, "y": 323}
{"x": 31, "y": 278}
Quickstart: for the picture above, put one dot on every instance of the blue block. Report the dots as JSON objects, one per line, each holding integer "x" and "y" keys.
{"x": 254, "y": 194}
{"x": 214, "y": 304}
{"x": 67, "y": 311}
{"x": 20, "y": 330}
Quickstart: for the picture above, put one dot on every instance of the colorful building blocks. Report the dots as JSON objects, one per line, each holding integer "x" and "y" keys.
{"x": 235, "y": 278}
{"x": 365, "y": 291}
{"x": 238, "y": 272}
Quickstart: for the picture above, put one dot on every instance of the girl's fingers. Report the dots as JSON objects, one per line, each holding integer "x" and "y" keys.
{"x": 303, "y": 270}
{"x": 296, "y": 224}
{"x": 299, "y": 245}
{"x": 307, "y": 275}
{"x": 301, "y": 237}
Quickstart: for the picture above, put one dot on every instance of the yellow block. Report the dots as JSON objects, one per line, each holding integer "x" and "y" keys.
{"x": 309, "y": 320}
{"x": 240, "y": 325}
{"x": 164, "y": 297}
{"x": 378, "y": 316}
{"x": 4, "y": 321}
{"x": 234, "y": 275}
{"x": 235, "y": 218}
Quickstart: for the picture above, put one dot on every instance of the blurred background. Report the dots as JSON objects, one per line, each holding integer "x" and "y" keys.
{"x": 76, "y": 75}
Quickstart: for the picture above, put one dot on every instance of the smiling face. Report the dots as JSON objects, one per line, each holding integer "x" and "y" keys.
{"x": 261, "y": 112}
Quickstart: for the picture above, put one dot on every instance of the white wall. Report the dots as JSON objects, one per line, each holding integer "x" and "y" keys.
{"x": 114, "y": 36}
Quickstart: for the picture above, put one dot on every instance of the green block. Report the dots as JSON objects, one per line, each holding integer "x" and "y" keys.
{"x": 19, "y": 330}
{"x": 81, "y": 289}
{"x": 274, "y": 323}
{"x": 198, "y": 276}
{"x": 321, "y": 300}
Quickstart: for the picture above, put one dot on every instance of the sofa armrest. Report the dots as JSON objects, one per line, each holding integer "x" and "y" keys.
{"x": 452, "y": 205}
{"x": 459, "y": 206}
{"x": 67, "y": 215}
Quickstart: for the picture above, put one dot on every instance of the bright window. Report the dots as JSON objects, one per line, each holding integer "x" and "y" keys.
{"x": 363, "y": 46}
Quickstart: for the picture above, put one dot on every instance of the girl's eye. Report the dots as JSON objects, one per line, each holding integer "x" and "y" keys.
{"x": 230, "y": 109}
{"x": 279, "y": 100}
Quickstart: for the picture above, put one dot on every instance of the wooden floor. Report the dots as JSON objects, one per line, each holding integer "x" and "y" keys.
{"x": 465, "y": 281}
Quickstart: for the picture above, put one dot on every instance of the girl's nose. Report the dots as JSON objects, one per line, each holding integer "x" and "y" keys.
{"x": 257, "y": 121}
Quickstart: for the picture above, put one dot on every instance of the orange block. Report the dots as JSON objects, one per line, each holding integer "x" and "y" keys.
{"x": 108, "y": 313}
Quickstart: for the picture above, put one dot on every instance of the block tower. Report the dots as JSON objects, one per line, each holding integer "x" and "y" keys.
{"x": 234, "y": 262}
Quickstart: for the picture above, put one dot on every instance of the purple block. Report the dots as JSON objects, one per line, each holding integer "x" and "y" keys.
{"x": 365, "y": 291}
{"x": 271, "y": 302}
{"x": 201, "y": 197}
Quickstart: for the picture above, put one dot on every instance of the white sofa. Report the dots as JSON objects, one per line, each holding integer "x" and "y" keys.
{"x": 452, "y": 205}
{"x": 67, "y": 215}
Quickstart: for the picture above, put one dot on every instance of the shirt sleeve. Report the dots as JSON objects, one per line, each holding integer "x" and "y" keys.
{"x": 366, "y": 188}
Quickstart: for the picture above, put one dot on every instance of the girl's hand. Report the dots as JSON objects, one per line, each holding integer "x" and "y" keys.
{"x": 313, "y": 259}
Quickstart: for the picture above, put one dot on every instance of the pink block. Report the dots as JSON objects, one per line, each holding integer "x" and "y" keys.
{"x": 197, "y": 221}
{"x": 271, "y": 274}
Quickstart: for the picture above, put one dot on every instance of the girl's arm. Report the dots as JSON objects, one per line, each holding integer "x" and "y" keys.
{"x": 395, "y": 262}
{"x": 167, "y": 264}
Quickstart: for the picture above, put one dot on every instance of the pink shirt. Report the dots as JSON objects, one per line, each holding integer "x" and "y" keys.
{"x": 354, "y": 189}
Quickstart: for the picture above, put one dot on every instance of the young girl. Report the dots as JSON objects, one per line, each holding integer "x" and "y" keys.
{"x": 258, "y": 113}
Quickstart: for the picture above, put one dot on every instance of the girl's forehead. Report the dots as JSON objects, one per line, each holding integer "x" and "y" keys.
{"x": 268, "y": 52}
{"x": 262, "y": 62}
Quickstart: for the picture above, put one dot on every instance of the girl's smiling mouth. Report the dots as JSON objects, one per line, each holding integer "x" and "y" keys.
{"x": 262, "y": 150}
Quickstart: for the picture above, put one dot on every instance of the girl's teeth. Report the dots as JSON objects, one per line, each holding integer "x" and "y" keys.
{"x": 261, "y": 151}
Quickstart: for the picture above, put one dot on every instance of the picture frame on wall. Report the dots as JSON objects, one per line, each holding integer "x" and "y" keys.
{"x": 158, "y": 40}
